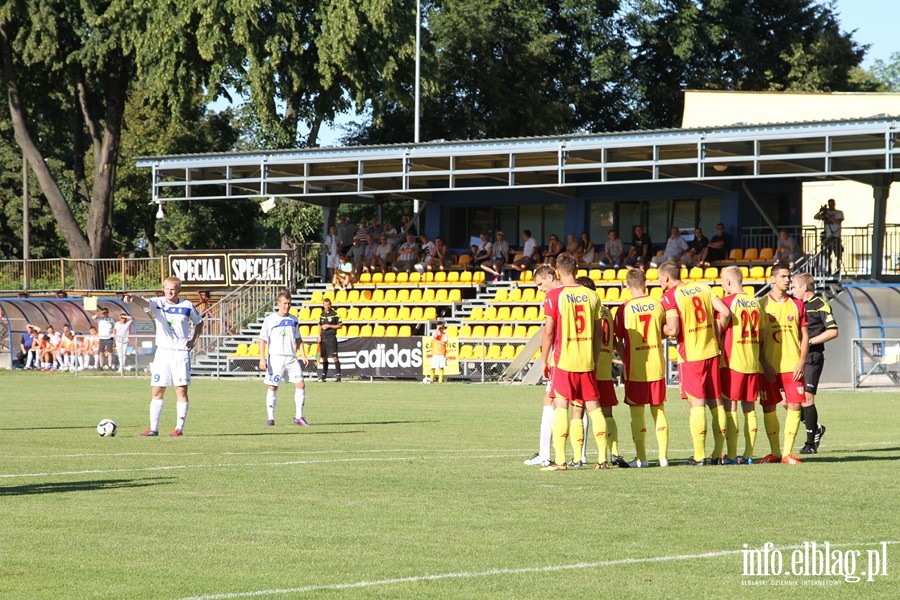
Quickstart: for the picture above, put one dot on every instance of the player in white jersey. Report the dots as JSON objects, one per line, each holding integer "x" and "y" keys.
{"x": 278, "y": 349}
{"x": 172, "y": 362}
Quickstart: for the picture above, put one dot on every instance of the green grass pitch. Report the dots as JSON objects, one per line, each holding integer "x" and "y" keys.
{"x": 401, "y": 490}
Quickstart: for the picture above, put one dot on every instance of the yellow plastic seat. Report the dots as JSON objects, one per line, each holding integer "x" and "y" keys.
{"x": 503, "y": 314}
{"x": 514, "y": 295}
{"x": 365, "y": 278}
{"x": 430, "y": 313}
{"x": 417, "y": 313}
{"x": 711, "y": 273}
{"x": 767, "y": 254}
{"x": 253, "y": 350}
{"x": 526, "y": 276}
{"x": 612, "y": 294}
{"x": 652, "y": 274}
{"x": 377, "y": 278}
{"x": 490, "y": 313}
{"x": 506, "y": 332}
{"x": 350, "y": 331}
{"x": 378, "y": 331}
{"x": 428, "y": 295}
{"x": 695, "y": 273}
{"x": 477, "y": 314}
{"x": 352, "y": 296}
{"x": 453, "y": 277}
{"x": 492, "y": 331}
{"x": 366, "y": 331}
{"x": 317, "y": 297}
{"x": 454, "y": 295}
{"x": 493, "y": 352}
{"x": 736, "y": 254}
{"x": 466, "y": 351}
{"x": 478, "y": 331}
{"x": 378, "y": 313}
{"x": 404, "y": 331}
{"x": 625, "y": 295}
{"x": 406, "y": 313}
{"x": 621, "y": 274}
{"x": 390, "y": 313}
{"x": 656, "y": 292}
{"x": 465, "y": 331}
{"x": 501, "y": 295}
{"x": 531, "y": 314}
{"x": 414, "y": 277}
{"x": 508, "y": 352}
{"x": 520, "y": 331}
{"x": 452, "y": 331}
{"x": 441, "y": 296}
{"x": 517, "y": 313}
{"x": 440, "y": 277}
{"x": 402, "y": 277}
{"x": 392, "y": 331}
{"x": 402, "y": 295}
{"x": 241, "y": 350}
{"x": 532, "y": 331}
{"x": 751, "y": 254}
{"x": 718, "y": 291}
{"x": 390, "y": 277}
{"x": 378, "y": 296}
{"x": 365, "y": 313}
{"x": 609, "y": 275}
{"x": 415, "y": 296}
{"x": 528, "y": 294}
{"x": 466, "y": 277}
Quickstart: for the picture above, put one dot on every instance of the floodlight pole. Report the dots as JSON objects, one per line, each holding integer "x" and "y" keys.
{"x": 26, "y": 224}
{"x": 418, "y": 92}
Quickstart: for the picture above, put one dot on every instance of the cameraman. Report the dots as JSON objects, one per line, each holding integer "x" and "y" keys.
{"x": 831, "y": 235}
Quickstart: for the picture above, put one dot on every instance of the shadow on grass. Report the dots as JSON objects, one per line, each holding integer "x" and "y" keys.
{"x": 297, "y": 431}
{"x": 82, "y": 486}
{"x": 45, "y": 428}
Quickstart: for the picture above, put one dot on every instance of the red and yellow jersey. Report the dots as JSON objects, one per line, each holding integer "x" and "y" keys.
{"x": 697, "y": 334}
{"x": 575, "y": 311}
{"x": 68, "y": 344}
{"x": 782, "y": 332}
{"x": 607, "y": 346}
{"x": 639, "y": 324}
{"x": 740, "y": 344}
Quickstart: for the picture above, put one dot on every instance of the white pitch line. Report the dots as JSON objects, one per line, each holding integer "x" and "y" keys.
{"x": 241, "y": 465}
{"x": 495, "y": 572}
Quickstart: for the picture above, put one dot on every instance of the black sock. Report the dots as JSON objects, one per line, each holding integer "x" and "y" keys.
{"x": 337, "y": 369}
{"x": 812, "y": 424}
{"x": 324, "y": 369}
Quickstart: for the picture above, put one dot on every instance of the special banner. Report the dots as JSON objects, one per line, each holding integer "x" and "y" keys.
{"x": 229, "y": 268}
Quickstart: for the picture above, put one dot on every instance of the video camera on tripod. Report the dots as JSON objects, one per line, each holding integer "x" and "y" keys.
{"x": 822, "y": 214}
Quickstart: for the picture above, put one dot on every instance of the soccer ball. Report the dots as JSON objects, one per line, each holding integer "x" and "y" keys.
{"x": 426, "y": 380}
{"x": 107, "y": 428}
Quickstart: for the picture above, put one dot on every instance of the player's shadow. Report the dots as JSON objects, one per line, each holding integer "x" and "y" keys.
{"x": 846, "y": 458}
{"x": 82, "y": 486}
{"x": 379, "y": 422}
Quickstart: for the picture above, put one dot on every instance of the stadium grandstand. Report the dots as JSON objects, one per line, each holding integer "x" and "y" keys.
{"x": 728, "y": 164}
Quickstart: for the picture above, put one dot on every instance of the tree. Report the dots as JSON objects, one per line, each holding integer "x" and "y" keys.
{"x": 793, "y": 45}
{"x": 887, "y": 74}
{"x": 67, "y": 69}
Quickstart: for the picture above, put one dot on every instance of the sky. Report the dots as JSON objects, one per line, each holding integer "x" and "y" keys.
{"x": 874, "y": 23}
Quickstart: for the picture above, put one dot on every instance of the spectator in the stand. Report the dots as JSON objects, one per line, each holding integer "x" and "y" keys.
{"x": 426, "y": 253}
{"x": 482, "y": 253}
{"x": 499, "y": 256}
{"x": 696, "y": 247}
{"x": 345, "y": 233}
{"x": 554, "y": 249}
{"x": 374, "y": 227}
{"x": 718, "y": 248}
{"x": 407, "y": 255}
{"x": 531, "y": 253}
{"x": 440, "y": 259}
{"x": 788, "y": 250}
{"x": 641, "y": 249}
{"x": 573, "y": 246}
{"x": 613, "y": 251}
{"x": 391, "y": 234}
{"x": 407, "y": 225}
{"x": 356, "y": 256}
{"x": 383, "y": 255}
{"x": 332, "y": 243}
{"x": 587, "y": 249}
{"x": 343, "y": 275}
{"x": 675, "y": 250}
{"x": 369, "y": 256}
{"x": 362, "y": 234}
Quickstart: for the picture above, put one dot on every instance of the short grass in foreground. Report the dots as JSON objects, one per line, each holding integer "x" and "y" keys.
{"x": 406, "y": 490}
